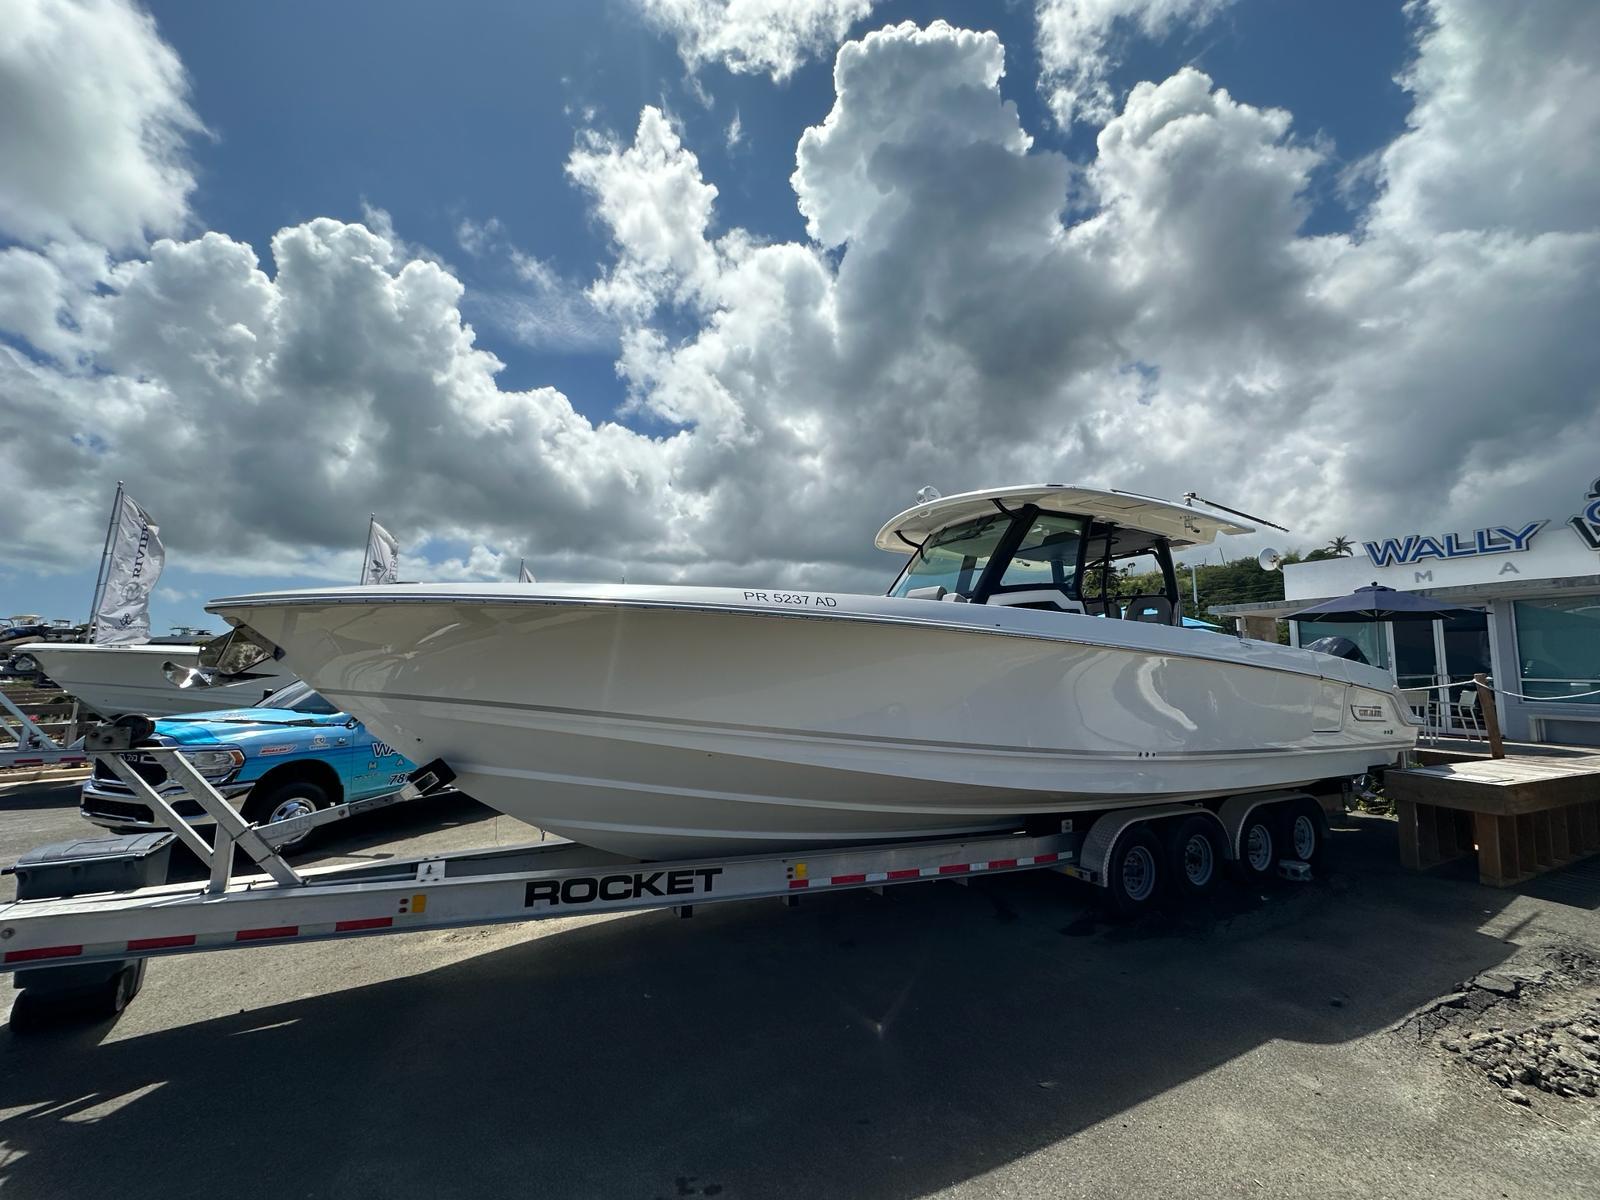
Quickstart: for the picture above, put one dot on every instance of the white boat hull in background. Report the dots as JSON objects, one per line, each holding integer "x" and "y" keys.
{"x": 662, "y": 722}
{"x": 130, "y": 679}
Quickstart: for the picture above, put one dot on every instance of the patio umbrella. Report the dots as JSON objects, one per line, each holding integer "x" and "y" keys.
{"x": 1378, "y": 603}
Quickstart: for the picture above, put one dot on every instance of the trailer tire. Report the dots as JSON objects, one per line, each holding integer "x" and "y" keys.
{"x": 1305, "y": 834}
{"x": 1194, "y": 856}
{"x": 1260, "y": 844}
{"x": 284, "y": 801}
{"x": 1136, "y": 872}
{"x": 41, "y": 1007}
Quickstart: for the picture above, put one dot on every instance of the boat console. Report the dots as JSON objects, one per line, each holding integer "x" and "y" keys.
{"x": 1055, "y": 548}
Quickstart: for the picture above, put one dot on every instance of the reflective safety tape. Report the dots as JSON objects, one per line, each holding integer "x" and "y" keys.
{"x": 363, "y": 923}
{"x": 182, "y": 941}
{"x": 271, "y": 931}
{"x": 161, "y": 943}
{"x": 43, "y": 952}
{"x": 800, "y": 879}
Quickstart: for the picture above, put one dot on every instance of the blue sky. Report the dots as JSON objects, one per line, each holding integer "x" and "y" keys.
{"x": 472, "y": 113}
{"x": 435, "y": 115}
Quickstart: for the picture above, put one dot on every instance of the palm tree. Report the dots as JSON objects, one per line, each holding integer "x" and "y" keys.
{"x": 1342, "y": 546}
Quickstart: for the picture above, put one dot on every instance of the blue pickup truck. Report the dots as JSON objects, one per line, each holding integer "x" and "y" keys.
{"x": 290, "y": 754}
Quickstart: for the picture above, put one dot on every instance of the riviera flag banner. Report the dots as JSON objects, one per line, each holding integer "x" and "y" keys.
{"x": 383, "y": 556}
{"x": 134, "y": 562}
{"x": 524, "y": 575}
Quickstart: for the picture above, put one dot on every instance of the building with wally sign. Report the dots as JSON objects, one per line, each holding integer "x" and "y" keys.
{"x": 1538, "y": 637}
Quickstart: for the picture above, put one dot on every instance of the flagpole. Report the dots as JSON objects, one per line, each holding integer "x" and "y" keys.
{"x": 105, "y": 557}
{"x": 366, "y": 551}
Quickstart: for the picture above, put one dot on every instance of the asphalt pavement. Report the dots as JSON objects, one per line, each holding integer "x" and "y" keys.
{"x": 993, "y": 1040}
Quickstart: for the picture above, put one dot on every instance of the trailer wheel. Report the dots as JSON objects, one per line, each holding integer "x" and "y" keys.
{"x": 42, "y": 1007}
{"x": 1136, "y": 872}
{"x": 292, "y": 799}
{"x": 1259, "y": 845}
{"x": 1306, "y": 834}
{"x": 1194, "y": 855}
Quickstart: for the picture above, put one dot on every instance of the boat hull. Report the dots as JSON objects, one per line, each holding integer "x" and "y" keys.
{"x": 131, "y": 679}
{"x": 660, "y": 729}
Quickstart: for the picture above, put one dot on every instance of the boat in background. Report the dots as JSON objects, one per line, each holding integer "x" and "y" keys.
{"x": 1003, "y": 679}
{"x": 113, "y": 680}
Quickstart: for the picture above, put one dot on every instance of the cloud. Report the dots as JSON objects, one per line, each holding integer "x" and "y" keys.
{"x": 651, "y": 197}
{"x": 478, "y": 238}
{"x": 752, "y": 37}
{"x": 1505, "y": 122}
{"x": 948, "y": 319}
{"x": 94, "y": 116}
{"x": 259, "y": 416}
{"x": 1076, "y": 41}
{"x": 546, "y": 310}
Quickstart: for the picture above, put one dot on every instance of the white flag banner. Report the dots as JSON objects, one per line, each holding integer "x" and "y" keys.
{"x": 525, "y": 576}
{"x": 137, "y": 556}
{"x": 383, "y": 557}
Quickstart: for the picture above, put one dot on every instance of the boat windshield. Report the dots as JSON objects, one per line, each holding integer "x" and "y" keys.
{"x": 1030, "y": 558}
{"x": 955, "y": 557}
{"x": 1047, "y": 556}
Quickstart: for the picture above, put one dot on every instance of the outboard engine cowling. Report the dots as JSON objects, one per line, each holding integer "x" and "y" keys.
{"x": 1339, "y": 647}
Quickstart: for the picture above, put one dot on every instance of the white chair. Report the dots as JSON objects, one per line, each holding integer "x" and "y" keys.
{"x": 1467, "y": 712}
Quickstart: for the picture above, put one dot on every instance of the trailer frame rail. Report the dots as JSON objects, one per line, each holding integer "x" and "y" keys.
{"x": 553, "y": 878}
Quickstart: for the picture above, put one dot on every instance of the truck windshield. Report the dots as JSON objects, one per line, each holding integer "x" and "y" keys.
{"x": 298, "y": 697}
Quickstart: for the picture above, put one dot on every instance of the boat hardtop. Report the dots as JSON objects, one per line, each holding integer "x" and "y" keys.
{"x": 1181, "y": 524}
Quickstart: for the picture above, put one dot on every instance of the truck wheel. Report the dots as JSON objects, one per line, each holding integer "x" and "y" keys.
{"x": 1306, "y": 834}
{"x": 1194, "y": 855}
{"x": 284, "y": 801}
{"x": 1136, "y": 872}
{"x": 1259, "y": 845}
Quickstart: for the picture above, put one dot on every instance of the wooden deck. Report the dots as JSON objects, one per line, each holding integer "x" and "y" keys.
{"x": 1521, "y": 815}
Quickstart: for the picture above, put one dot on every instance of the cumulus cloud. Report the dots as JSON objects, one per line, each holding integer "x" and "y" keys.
{"x": 260, "y": 414}
{"x": 947, "y": 319}
{"x": 1077, "y": 47}
{"x": 651, "y": 197}
{"x": 1505, "y": 122}
{"x": 753, "y": 37}
{"x": 94, "y": 116}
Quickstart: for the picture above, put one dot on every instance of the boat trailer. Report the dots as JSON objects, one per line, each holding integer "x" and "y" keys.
{"x": 90, "y": 914}
{"x": 29, "y": 745}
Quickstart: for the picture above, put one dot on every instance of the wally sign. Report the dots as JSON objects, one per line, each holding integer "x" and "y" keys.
{"x": 1492, "y": 539}
{"x": 1587, "y": 523}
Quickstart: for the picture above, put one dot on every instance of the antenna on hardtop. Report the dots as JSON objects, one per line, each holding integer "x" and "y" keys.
{"x": 1189, "y": 498}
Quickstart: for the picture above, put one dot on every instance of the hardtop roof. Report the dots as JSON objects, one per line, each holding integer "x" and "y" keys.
{"x": 1182, "y": 524}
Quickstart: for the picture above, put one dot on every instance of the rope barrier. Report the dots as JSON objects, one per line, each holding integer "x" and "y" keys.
{"x": 1500, "y": 691}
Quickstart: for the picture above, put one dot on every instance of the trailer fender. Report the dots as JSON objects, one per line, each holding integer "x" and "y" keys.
{"x": 1094, "y": 857}
{"x": 1235, "y": 810}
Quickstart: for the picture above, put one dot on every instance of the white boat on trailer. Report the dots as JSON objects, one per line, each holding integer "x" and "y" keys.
{"x": 1000, "y": 684}
{"x": 89, "y": 915}
{"x": 113, "y": 680}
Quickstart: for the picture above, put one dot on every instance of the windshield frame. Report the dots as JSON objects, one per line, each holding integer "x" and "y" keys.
{"x": 1088, "y": 558}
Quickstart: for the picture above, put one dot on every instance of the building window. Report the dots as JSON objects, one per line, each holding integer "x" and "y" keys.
{"x": 1558, "y": 648}
{"x": 1368, "y": 637}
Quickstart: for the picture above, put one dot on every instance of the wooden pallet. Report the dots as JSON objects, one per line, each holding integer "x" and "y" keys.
{"x": 1522, "y": 816}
